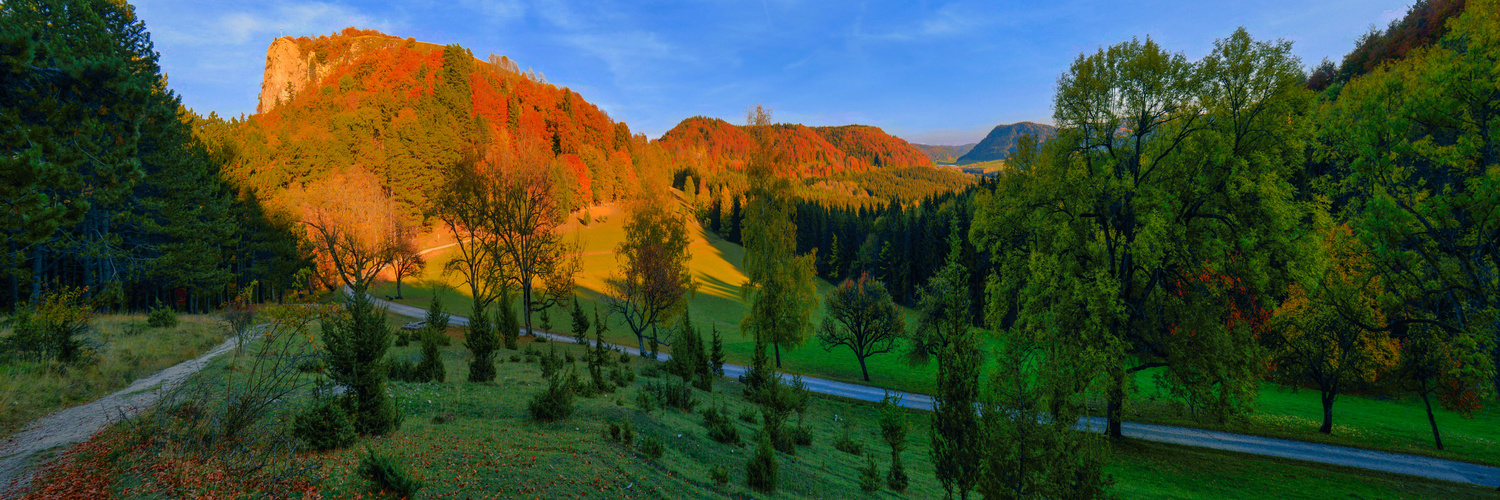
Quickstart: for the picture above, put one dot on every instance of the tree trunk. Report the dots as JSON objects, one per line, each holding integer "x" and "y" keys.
{"x": 864, "y": 370}
{"x": 1436, "y": 437}
{"x": 1327, "y": 427}
{"x": 777, "y": 347}
{"x": 1115, "y": 407}
{"x": 526, "y": 305}
{"x": 398, "y": 285}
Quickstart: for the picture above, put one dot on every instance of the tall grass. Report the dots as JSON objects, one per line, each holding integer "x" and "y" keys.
{"x": 125, "y": 349}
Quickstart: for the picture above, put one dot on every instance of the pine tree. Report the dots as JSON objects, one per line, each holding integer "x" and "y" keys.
{"x": 482, "y": 343}
{"x": 580, "y": 323}
{"x": 506, "y": 323}
{"x": 356, "y": 343}
{"x": 716, "y": 357}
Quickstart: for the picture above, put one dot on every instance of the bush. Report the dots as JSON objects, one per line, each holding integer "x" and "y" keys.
{"x": 850, "y": 446}
{"x": 671, "y": 394}
{"x": 627, "y": 434}
{"x": 625, "y": 358}
{"x": 760, "y": 472}
{"x": 719, "y": 474}
{"x": 402, "y": 339}
{"x": 515, "y": 358}
{"x": 161, "y": 316}
{"x": 431, "y": 368}
{"x": 869, "y": 476}
{"x": 621, "y": 376}
{"x": 645, "y": 400}
{"x": 539, "y": 339}
{"x": 748, "y": 414}
{"x": 403, "y": 371}
{"x": 720, "y": 428}
{"x": 801, "y": 435}
{"x": 315, "y": 365}
{"x": 653, "y": 370}
{"x": 897, "y": 479}
{"x": 51, "y": 328}
{"x": 481, "y": 341}
{"x": 552, "y": 404}
{"x": 325, "y": 426}
{"x": 614, "y": 432}
{"x": 651, "y": 447}
{"x": 387, "y": 476}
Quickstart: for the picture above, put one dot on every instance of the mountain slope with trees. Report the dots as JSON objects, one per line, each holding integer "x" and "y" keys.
{"x": 1001, "y": 141}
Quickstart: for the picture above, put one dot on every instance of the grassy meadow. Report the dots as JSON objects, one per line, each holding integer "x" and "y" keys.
{"x": 466, "y": 440}
{"x": 123, "y": 350}
{"x": 1391, "y": 424}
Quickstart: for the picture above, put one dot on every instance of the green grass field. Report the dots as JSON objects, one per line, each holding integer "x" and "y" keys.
{"x": 1397, "y": 425}
{"x": 126, "y": 349}
{"x": 468, "y": 440}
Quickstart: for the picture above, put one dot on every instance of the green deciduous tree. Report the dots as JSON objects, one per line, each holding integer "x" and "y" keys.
{"x": 780, "y": 290}
{"x": 1160, "y": 216}
{"x": 862, "y": 317}
{"x": 653, "y": 284}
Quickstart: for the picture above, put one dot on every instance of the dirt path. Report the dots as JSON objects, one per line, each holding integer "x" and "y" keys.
{"x": 79, "y": 423}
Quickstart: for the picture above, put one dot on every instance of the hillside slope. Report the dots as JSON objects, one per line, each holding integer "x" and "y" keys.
{"x": 401, "y": 110}
{"x": 944, "y": 154}
{"x": 1002, "y": 140}
{"x": 712, "y": 145}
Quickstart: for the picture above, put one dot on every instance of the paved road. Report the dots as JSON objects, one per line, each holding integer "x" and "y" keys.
{"x": 1459, "y": 472}
{"x": 79, "y": 423}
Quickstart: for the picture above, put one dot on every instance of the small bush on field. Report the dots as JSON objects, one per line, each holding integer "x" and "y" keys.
{"x": 748, "y": 415}
{"x": 161, "y": 316}
{"x": 387, "y": 476}
{"x": 760, "y": 472}
{"x": 325, "y": 426}
{"x": 515, "y": 358}
{"x": 671, "y": 394}
{"x": 719, "y": 474}
{"x": 850, "y": 446}
{"x": 869, "y": 476}
{"x": 720, "y": 428}
{"x": 652, "y": 447}
{"x": 801, "y": 435}
{"x": 552, "y": 404}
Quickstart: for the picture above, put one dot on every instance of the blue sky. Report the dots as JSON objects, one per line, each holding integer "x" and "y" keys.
{"x": 929, "y": 72}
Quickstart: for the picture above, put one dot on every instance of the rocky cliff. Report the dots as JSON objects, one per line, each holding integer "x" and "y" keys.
{"x": 286, "y": 73}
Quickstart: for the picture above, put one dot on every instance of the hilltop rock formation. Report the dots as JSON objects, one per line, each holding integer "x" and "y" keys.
{"x": 1002, "y": 140}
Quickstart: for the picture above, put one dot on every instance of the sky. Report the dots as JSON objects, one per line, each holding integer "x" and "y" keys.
{"x": 928, "y": 72}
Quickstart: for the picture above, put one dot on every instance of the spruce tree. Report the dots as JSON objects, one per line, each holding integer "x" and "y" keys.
{"x": 580, "y": 323}
{"x": 482, "y": 343}
{"x": 356, "y": 343}
{"x": 506, "y": 324}
{"x": 716, "y": 357}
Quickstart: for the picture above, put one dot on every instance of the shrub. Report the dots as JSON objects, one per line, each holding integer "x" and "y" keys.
{"x": 515, "y": 358}
{"x": 653, "y": 370}
{"x": 720, "y": 428}
{"x": 431, "y": 368}
{"x": 671, "y": 394}
{"x": 539, "y": 339}
{"x": 552, "y": 404}
{"x": 402, "y": 339}
{"x": 625, "y": 358}
{"x": 651, "y": 447}
{"x": 161, "y": 316}
{"x": 481, "y": 341}
{"x": 568, "y": 357}
{"x": 315, "y": 365}
{"x": 760, "y": 472}
{"x": 622, "y": 376}
{"x": 897, "y": 479}
{"x": 325, "y": 426}
{"x": 848, "y": 445}
{"x": 801, "y": 435}
{"x": 748, "y": 414}
{"x": 645, "y": 400}
{"x": 627, "y": 434}
{"x": 403, "y": 371}
{"x": 387, "y": 476}
{"x": 614, "y": 431}
{"x": 719, "y": 474}
{"x": 869, "y": 476}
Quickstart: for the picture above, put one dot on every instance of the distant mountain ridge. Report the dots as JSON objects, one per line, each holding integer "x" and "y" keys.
{"x": 944, "y": 154}
{"x": 1002, "y": 140}
{"x": 715, "y": 145}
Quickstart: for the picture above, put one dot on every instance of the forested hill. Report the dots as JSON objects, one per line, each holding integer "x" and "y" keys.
{"x": 401, "y": 110}
{"x": 714, "y": 145}
{"x": 1002, "y": 140}
{"x": 944, "y": 154}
